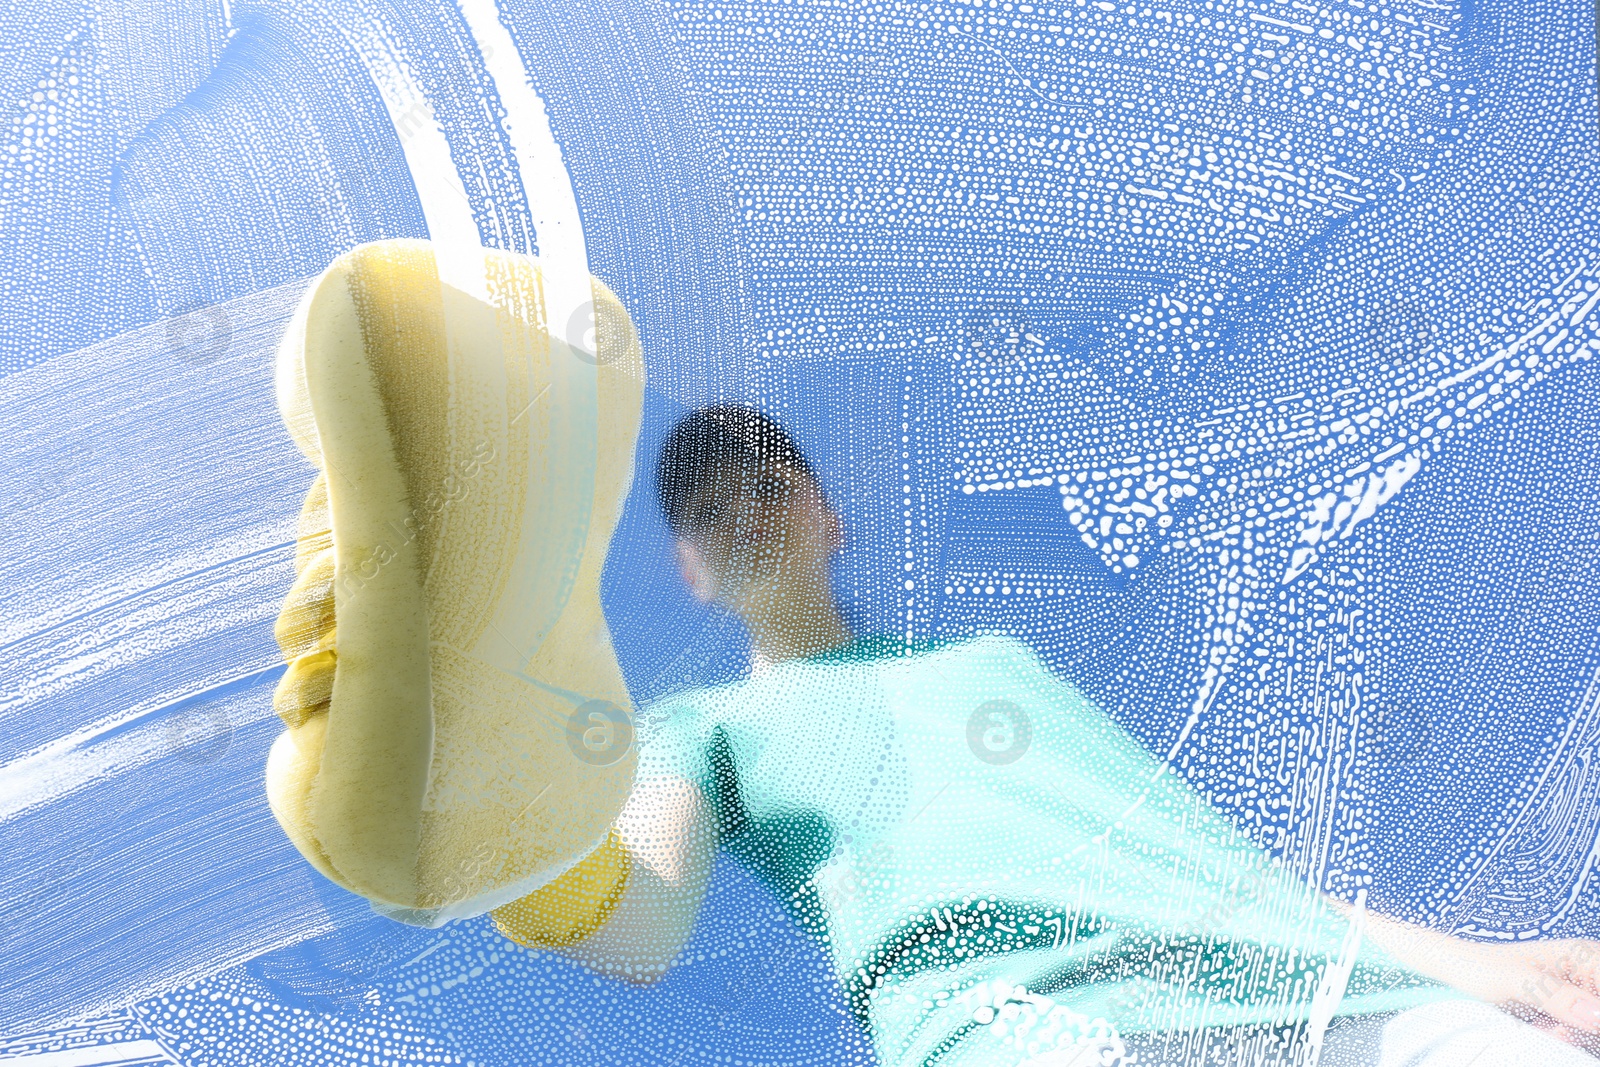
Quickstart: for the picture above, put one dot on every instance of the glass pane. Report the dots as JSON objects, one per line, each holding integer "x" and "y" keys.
{"x": 884, "y": 533}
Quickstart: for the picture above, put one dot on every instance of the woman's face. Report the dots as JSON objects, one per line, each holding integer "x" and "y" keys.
{"x": 757, "y": 535}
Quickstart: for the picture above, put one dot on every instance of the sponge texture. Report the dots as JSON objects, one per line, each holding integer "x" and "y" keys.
{"x": 444, "y": 632}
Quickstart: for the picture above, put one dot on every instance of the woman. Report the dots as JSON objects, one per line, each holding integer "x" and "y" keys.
{"x": 1001, "y": 874}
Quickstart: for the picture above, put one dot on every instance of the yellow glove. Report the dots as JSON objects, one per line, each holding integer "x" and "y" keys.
{"x": 444, "y": 633}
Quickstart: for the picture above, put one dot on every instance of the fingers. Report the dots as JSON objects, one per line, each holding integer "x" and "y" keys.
{"x": 312, "y": 530}
{"x": 1577, "y": 961}
{"x": 1567, "y": 1005}
{"x": 308, "y": 611}
{"x": 306, "y": 632}
{"x": 306, "y": 688}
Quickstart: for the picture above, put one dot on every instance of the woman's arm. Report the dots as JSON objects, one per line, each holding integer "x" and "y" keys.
{"x": 1553, "y": 983}
{"x": 671, "y": 840}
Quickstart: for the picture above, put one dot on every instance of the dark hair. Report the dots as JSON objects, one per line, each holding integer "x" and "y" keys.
{"x": 712, "y": 441}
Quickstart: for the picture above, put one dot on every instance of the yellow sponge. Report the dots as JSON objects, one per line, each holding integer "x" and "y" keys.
{"x": 572, "y": 907}
{"x": 444, "y": 631}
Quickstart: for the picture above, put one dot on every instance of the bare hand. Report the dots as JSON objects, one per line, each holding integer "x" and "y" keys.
{"x": 1554, "y": 985}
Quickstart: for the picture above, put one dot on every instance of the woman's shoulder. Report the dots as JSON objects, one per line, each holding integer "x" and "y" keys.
{"x": 695, "y": 711}
{"x": 867, "y": 647}
{"x": 777, "y": 698}
{"x": 689, "y": 716}
{"x": 994, "y": 646}
{"x": 883, "y": 645}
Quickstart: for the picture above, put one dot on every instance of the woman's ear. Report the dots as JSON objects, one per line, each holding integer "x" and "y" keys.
{"x": 696, "y": 575}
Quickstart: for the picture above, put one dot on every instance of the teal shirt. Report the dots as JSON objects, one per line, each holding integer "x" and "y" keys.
{"x": 996, "y": 867}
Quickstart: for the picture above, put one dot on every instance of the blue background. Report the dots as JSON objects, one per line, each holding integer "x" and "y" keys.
{"x": 928, "y": 237}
